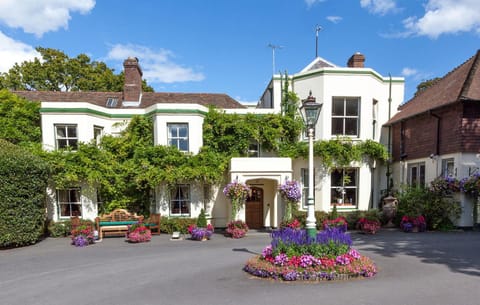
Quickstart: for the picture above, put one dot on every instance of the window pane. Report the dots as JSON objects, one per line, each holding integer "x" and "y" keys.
{"x": 350, "y": 196}
{"x": 73, "y": 144}
{"x": 61, "y": 143}
{"x": 183, "y": 145}
{"x": 182, "y": 131}
{"x": 336, "y": 178}
{"x": 337, "y": 107}
{"x": 337, "y": 126}
{"x": 352, "y": 107}
{"x": 172, "y": 131}
{"x": 351, "y": 127}
{"x": 72, "y": 131}
{"x": 61, "y": 132}
{"x": 65, "y": 210}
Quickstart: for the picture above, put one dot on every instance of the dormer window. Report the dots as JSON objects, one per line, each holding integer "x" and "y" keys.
{"x": 112, "y": 102}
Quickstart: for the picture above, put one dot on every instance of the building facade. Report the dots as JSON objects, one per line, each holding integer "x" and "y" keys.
{"x": 437, "y": 133}
{"x": 357, "y": 101}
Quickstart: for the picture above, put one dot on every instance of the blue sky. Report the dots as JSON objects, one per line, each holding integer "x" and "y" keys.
{"x": 221, "y": 46}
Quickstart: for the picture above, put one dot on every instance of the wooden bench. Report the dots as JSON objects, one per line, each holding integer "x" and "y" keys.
{"x": 116, "y": 222}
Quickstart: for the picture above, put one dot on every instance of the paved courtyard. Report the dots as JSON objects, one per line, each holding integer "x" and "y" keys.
{"x": 424, "y": 268}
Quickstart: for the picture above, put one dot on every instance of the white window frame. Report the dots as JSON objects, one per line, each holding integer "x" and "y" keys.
{"x": 344, "y": 117}
{"x": 347, "y": 192}
{"x": 97, "y": 133}
{"x": 71, "y": 140}
{"x": 448, "y": 167}
{"x": 180, "y": 200}
{"x": 175, "y": 139}
{"x": 70, "y": 197}
{"x": 416, "y": 174}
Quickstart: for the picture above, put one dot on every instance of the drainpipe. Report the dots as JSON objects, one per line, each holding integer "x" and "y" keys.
{"x": 437, "y": 139}
{"x": 389, "y": 144}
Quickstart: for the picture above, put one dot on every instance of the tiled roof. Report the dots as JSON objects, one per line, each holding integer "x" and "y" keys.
{"x": 462, "y": 83}
{"x": 318, "y": 63}
{"x": 222, "y": 101}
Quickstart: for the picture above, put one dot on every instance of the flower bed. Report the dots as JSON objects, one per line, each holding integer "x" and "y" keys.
{"x": 138, "y": 233}
{"x": 198, "y": 233}
{"x": 293, "y": 256}
{"x": 413, "y": 224}
{"x": 236, "y": 229}
{"x": 339, "y": 222}
{"x": 83, "y": 235}
{"x": 368, "y": 226}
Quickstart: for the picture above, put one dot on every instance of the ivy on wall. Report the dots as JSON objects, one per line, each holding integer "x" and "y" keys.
{"x": 128, "y": 167}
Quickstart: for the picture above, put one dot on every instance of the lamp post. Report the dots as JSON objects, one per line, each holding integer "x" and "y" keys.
{"x": 310, "y": 110}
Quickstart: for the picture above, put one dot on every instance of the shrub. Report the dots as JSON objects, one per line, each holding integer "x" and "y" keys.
{"x": 437, "y": 208}
{"x": 59, "y": 228}
{"x": 202, "y": 220}
{"x": 170, "y": 225}
{"x": 23, "y": 186}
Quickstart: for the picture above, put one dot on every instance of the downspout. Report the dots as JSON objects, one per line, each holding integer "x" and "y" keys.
{"x": 389, "y": 140}
{"x": 437, "y": 139}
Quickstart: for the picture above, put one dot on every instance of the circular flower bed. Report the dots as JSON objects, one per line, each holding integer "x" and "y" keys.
{"x": 294, "y": 256}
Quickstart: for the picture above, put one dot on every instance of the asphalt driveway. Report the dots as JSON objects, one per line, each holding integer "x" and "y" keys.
{"x": 414, "y": 269}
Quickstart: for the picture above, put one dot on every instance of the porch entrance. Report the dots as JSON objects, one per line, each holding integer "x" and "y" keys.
{"x": 254, "y": 209}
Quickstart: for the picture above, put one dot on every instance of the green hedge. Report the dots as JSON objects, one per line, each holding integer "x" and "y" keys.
{"x": 23, "y": 183}
{"x": 174, "y": 224}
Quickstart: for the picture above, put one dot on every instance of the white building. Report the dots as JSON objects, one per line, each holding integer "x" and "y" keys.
{"x": 357, "y": 101}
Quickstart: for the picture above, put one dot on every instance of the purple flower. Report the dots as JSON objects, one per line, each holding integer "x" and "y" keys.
{"x": 290, "y": 190}
{"x": 307, "y": 260}
{"x": 281, "y": 259}
{"x": 267, "y": 251}
{"x": 354, "y": 253}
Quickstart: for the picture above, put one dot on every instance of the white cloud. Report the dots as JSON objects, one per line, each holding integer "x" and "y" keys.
{"x": 12, "y": 52}
{"x": 311, "y": 3}
{"x": 157, "y": 66}
{"x": 407, "y": 72}
{"x": 38, "y": 17}
{"x": 380, "y": 7}
{"x": 334, "y": 19}
{"x": 445, "y": 17}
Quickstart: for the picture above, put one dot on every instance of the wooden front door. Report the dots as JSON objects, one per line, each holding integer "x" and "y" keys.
{"x": 254, "y": 209}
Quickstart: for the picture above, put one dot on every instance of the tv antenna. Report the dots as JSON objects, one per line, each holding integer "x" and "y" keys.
{"x": 317, "y": 29}
{"x": 274, "y": 47}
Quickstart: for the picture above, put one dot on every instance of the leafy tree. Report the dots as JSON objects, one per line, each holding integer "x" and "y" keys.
{"x": 19, "y": 119}
{"x": 426, "y": 84}
{"x": 56, "y": 71}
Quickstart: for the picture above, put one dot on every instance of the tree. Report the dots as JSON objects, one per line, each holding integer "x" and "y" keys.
{"x": 19, "y": 119}
{"x": 56, "y": 71}
{"x": 426, "y": 84}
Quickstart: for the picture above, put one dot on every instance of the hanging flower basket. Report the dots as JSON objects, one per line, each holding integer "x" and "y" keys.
{"x": 291, "y": 192}
{"x": 237, "y": 192}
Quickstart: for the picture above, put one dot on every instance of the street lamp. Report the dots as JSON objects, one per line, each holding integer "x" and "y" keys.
{"x": 310, "y": 110}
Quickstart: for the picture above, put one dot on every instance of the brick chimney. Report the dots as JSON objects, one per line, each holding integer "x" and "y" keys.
{"x": 132, "y": 88}
{"x": 357, "y": 60}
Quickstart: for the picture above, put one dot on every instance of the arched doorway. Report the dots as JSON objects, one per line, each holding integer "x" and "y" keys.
{"x": 254, "y": 209}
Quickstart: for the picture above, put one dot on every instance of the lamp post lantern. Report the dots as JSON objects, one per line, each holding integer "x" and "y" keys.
{"x": 310, "y": 111}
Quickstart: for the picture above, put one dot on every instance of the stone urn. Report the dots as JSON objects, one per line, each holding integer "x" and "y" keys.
{"x": 389, "y": 210}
